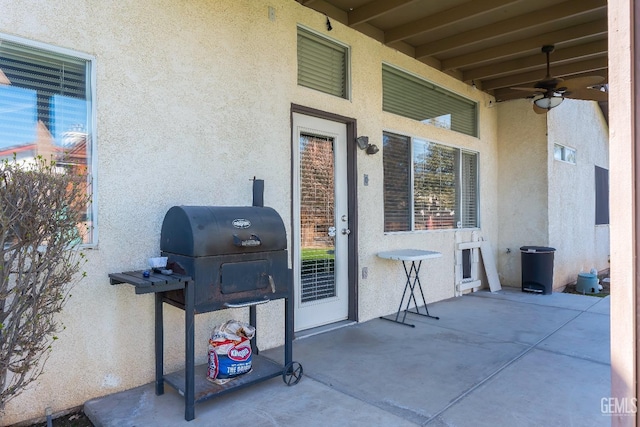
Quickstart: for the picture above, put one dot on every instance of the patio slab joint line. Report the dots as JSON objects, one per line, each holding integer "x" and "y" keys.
{"x": 594, "y": 303}
{"x": 500, "y": 369}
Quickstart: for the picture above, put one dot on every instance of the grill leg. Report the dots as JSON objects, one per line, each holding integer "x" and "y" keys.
{"x": 288, "y": 325}
{"x": 189, "y": 318}
{"x": 252, "y": 321}
{"x": 159, "y": 344}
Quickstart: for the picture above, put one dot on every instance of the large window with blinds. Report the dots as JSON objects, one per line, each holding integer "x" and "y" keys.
{"x": 46, "y": 103}
{"x": 410, "y": 96}
{"x": 323, "y": 64}
{"x": 428, "y": 186}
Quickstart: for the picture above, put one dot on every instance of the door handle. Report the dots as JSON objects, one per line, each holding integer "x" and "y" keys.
{"x": 346, "y": 231}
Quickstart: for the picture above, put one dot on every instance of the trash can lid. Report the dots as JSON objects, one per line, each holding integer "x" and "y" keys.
{"x": 536, "y": 249}
{"x": 587, "y": 275}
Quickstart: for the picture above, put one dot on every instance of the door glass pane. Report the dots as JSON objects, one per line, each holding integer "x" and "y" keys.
{"x": 317, "y": 224}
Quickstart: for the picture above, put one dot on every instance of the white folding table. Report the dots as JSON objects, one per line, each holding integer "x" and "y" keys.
{"x": 415, "y": 257}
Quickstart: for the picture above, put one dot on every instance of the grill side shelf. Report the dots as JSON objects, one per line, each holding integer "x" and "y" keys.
{"x": 154, "y": 283}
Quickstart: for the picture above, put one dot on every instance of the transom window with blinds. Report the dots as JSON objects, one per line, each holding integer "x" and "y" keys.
{"x": 428, "y": 186}
{"x": 410, "y": 96}
{"x": 323, "y": 64}
{"x": 46, "y": 103}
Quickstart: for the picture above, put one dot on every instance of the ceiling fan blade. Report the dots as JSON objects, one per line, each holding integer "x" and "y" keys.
{"x": 529, "y": 89}
{"x": 587, "y": 94}
{"x": 580, "y": 83}
{"x": 550, "y": 82}
{"x": 539, "y": 110}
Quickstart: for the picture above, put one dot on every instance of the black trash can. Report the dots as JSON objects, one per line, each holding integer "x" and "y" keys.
{"x": 537, "y": 269}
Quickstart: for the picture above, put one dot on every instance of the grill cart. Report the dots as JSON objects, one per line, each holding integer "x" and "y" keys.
{"x": 219, "y": 257}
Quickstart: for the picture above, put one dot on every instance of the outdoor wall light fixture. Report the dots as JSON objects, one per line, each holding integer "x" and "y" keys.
{"x": 363, "y": 144}
{"x": 329, "y": 27}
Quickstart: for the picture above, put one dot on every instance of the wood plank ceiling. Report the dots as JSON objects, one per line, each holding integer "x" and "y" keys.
{"x": 494, "y": 44}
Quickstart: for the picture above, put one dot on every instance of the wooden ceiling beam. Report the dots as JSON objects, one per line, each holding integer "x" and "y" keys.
{"x": 374, "y": 9}
{"x": 577, "y": 32}
{"x": 329, "y": 9}
{"x": 441, "y": 19}
{"x": 534, "y": 76}
{"x": 533, "y": 19}
{"x": 539, "y": 61}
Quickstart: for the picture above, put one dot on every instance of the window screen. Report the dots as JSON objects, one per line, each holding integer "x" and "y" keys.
{"x": 322, "y": 64}
{"x": 434, "y": 185}
{"x": 415, "y": 98}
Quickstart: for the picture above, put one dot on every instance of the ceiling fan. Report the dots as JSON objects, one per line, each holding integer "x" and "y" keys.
{"x": 551, "y": 91}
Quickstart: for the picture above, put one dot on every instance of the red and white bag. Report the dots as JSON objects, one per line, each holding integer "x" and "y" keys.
{"x": 229, "y": 351}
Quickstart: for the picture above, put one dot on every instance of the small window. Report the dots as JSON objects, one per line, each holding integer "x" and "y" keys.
{"x": 428, "y": 186}
{"x": 602, "y": 196}
{"x": 46, "y": 103}
{"x": 418, "y": 99}
{"x": 564, "y": 154}
{"x": 322, "y": 64}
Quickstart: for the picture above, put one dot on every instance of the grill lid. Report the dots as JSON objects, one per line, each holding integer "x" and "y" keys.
{"x": 199, "y": 231}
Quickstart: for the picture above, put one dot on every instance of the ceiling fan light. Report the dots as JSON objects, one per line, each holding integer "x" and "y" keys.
{"x": 548, "y": 102}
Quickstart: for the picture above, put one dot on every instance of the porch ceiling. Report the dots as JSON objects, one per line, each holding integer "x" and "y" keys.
{"x": 494, "y": 44}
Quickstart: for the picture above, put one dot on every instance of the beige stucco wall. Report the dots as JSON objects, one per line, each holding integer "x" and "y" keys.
{"x": 193, "y": 100}
{"x": 580, "y": 244}
{"x": 522, "y": 185}
{"x": 544, "y": 202}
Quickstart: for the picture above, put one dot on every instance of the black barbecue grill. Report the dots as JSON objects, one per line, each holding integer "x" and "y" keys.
{"x": 220, "y": 257}
{"x": 235, "y": 255}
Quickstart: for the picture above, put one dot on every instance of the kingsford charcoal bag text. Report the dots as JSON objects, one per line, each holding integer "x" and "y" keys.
{"x": 230, "y": 350}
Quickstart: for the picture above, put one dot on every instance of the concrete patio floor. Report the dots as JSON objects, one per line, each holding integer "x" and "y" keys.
{"x": 493, "y": 359}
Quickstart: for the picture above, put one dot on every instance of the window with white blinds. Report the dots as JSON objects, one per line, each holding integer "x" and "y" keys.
{"x": 468, "y": 189}
{"x": 428, "y": 186}
{"x": 409, "y": 96}
{"x": 45, "y": 99}
{"x": 322, "y": 64}
{"x": 397, "y": 180}
{"x": 434, "y": 185}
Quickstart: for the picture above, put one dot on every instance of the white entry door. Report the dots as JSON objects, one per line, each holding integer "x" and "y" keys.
{"x": 321, "y": 222}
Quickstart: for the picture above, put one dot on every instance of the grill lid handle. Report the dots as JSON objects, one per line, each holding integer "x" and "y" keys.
{"x": 253, "y": 240}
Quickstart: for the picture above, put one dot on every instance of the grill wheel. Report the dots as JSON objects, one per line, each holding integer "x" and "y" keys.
{"x": 292, "y": 373}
